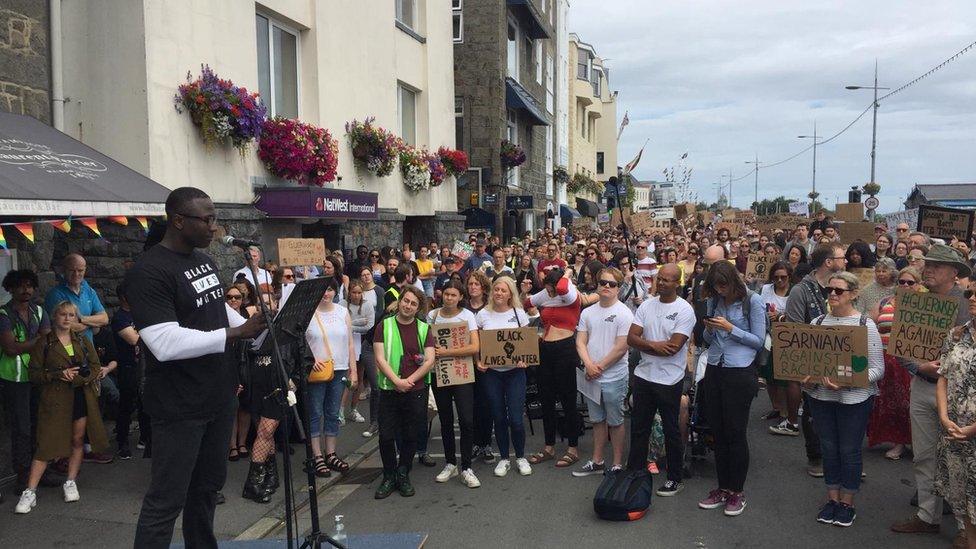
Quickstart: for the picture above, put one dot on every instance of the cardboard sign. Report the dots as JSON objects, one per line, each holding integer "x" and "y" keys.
{"x": 295, "y": 252}
{"x": 837, "y": 352}
{"x": 945, "y": 223}
{"x": 462, "y": 250}
{"x": 453, "y": 370}
{"x": 853, "y": 211}
{"x": 733, "y": 228}
{"x": 864, "y": 276}
{"x": 922, "y": 322}
{"x": 908, "y": 217}
{"x": 619, "y": 216}
{"x": 862, "y": 230}
{"x": 759, "y": 265}
{"x": 800, "y": 208}
{"x": 639, "y": 221}
{"x": 506, "y": 347}
{"x": 728, "y": 214}
{"x": 682, "y": 211}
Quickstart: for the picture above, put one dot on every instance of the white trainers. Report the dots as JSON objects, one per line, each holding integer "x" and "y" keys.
{"x": 523, "y": 467}
{"x": 450, "y": 471}
{"x": 70, "y": 491}
{"x": 355, "y": 416}
{"x": 469, "y": 479}
{"x": 28, "y": 499}
{"x": 501, "y": 469}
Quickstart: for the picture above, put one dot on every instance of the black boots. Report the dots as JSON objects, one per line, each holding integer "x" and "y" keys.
{"x": 271, "y": 475}
{"x": 387, "y": 486}
{"x": 403, "y": 482}
{"x": 254, "y": 486}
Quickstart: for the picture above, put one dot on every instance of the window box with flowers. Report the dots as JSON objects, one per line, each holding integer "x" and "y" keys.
{"x": 373, "y": 147}
{"x": 415, "y": 168}
{"x": 455, "y": 162}
{"x": 297, "y": 151}
{"x": 221, "y": 110}
{"x": 511, "y": 154}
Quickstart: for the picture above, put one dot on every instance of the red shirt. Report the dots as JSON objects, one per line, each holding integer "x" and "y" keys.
{"x": 546, "y": 264}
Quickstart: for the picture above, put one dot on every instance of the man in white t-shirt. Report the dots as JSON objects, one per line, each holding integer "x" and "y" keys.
{"x": 264, "y": 277}
{"x": 662, "y": 326}
{"x": 601, "y": 341}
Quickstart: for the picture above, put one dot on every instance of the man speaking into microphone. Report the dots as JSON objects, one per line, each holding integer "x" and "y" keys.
{"x": 185, "y": 331}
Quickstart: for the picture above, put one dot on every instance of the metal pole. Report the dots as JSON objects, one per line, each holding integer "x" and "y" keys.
{"x": 757, "y": 181}
{"x": 814, "y": 158}
{"x": 874, "y": 125}
{"x": 730, "y": 188}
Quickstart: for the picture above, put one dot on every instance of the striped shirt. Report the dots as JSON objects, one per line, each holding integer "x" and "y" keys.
{"x": 855, "y": 395}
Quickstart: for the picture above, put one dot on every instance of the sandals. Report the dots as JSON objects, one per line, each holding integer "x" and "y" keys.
{"x": 234, "y": 455}
{"x": 336, "y": 464}
{"x": 539, "y": 457}
{"x": 242, "y": 451}
{"x": 567, "y": 460}
{"x": 321, "y": 470}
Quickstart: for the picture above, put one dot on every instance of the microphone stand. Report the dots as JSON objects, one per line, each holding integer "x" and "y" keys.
{"x": 315, "y": 537}
{"x": 630, "y": 258}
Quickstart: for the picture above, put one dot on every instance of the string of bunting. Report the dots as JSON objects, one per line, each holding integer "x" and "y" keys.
{"x": 26, "y": 228}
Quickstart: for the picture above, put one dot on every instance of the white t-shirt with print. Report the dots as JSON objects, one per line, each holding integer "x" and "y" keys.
{"x": 660, "y": 321}
{"x": 512, "y": 318}
{"x": 603, "y": 325}
{"x": 435, "y": 317}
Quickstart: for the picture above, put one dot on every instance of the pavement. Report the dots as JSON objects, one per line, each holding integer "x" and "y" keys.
{"x": 549, "y": 508}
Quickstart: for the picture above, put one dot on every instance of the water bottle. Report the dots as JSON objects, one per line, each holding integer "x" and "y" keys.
{"x": 339, "y": 533}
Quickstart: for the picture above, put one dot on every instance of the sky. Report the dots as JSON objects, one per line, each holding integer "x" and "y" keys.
{"x": 727, "y": 80}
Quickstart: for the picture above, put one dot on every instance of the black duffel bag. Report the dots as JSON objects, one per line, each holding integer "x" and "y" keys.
{"x": 623, "y": 495}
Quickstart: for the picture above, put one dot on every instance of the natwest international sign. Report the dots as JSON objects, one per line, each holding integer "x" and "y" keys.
{"x": 316, "y": 202}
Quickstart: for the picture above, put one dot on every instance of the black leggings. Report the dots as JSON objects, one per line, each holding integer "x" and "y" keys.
{"x": 447, "y": 398}
{"x": 557, "y": 379}
{"x": 728, "y": 398}
{"x": 483, "y": 425}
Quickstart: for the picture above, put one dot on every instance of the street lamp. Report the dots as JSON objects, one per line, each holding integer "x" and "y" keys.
{"x": 874, "y": 105}
{"x": 816, "y": 139}
{"x": 756, "y": 162}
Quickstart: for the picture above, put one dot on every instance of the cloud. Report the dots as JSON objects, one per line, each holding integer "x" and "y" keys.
{"x": 726, "y": 80}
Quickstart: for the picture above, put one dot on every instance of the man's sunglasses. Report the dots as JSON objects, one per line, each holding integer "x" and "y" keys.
{"x": 609, "y": 283}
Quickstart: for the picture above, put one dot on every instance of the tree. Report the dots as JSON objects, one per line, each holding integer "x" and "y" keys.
{"x": 768, "y": 206}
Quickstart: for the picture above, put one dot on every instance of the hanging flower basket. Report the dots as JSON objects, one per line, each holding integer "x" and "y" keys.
{"x": 297, "y": 151}
{"x": 584, "y": 183}
{"x": 373, "y": 147}
{"x": 221, "y": 110}
{"x": 437, "y": 169}
{"x": 455, "y": 162}
{"x": 872, "y": 188}
{"x": 512, "y": 155}
{"x": 560, "y": 175}
{"x": 415, "y": 169}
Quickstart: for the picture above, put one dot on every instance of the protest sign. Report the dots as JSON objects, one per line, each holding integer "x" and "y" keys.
{"x": 853, "y": 211}
{"x": 759, "y": 265}
{"x": 800, "y": 208}
{"x": 293, "y": 252}
{"x": 922, "y": 322}
{"x": 453, "y": 370}
{"x": 603, "y": 218}
{"x": 620, "y": 215}
{"x": 728, "y": 214}
{"x": 639, "y": 221}
{"x": 506, "y": 347}
{"x": 462, "y": 250}
{"x": 908, "y": 217}
{"x": 851, "y": 231}
{"x": 864, "y": 276}
{"x": 682, "y": 211}
{"x": 805, "y": 350}
{"x": 945, "y": 223}
{"x": 733, "y": 228}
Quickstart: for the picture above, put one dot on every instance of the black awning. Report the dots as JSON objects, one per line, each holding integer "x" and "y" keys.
{"x": 568, "y": 214}
{"x": 517, "y": 97}
{"x": 587, "y": 207}
{"x": 531, "y": 19}
{"x": 44, "y": 172}
{"x": 476, "y": 218}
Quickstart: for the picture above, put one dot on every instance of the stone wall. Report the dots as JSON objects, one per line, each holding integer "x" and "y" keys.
{"x": 385, "y": 231}
{"x": 25, "y": 58}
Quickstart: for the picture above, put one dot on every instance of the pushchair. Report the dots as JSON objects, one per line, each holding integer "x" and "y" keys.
{"x": 700, "y": 439}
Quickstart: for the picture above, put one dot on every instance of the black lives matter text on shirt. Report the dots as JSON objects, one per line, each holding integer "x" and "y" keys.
{"x": 166, "y": 286}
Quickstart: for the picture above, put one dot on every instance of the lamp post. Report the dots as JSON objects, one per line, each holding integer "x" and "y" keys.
{"x": 756, "y": 162}
{"x": 730, "y": 186}
{"x": 874, "y": 105}
{"x": 816, "y": 139}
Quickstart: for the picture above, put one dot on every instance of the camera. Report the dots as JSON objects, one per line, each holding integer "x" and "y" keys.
{"x": 84, "y": 370}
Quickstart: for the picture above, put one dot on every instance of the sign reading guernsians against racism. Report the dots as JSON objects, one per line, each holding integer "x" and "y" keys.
{"x": 300, "y": 251}
{"x": 945, "y": 223}
{"x": 507, "y": 347}
{"x": 922, "y": 322}
{"x": 759, "y": 264}
{"x": 453, "y": 370}
{"x": 805, "y": 350}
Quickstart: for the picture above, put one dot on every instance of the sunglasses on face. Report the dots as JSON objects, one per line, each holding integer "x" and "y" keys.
{"x": 288, "y": 277}
{"x": 902, "y": 230}
{"x": 609, "y": 283}
{"x": 642, "y": 247}
{"x": 968, "y": 294}
{"x": 234, "y": 297}
{"x": 837, "y": 291}
{"x": 906, "y": 283}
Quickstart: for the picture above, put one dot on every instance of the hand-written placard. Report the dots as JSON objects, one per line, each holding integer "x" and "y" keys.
{"x": 453, "y": 370}
{"x": 946, "y": 223}
{"x": 922, "y": 322}
{"x": 293, "y": 252}
{"x": 851, "y": 212}
{"x": 852, "y": 231}
{"x": 733, "y": 228}
{"x": 759, "y": 265}
{"x": 506, "y": 347}
{"x": 837, "y": 352}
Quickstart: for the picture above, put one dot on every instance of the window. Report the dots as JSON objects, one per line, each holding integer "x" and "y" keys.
{"x": 513, "y": 61}
{"x": 550, "y": 92}
{"x": 458, "y": 16}
{"x": 459, "y": 123}
{"x": 406, "y": 12}
{"x": 529, "y": 53}
{"x": 407, "y": 107}
{"x": 599, "y": 162}
{"x": 597, "y": 74}
{"x": 277, "y": 67}
{"x": 582, "y": 64}
{"x": 538, "y": 61}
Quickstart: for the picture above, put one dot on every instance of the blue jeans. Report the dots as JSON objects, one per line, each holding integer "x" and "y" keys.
{"x": 841, "y": 428}
{"x": 325, "y": 399}
{"x": 506, "y": 398}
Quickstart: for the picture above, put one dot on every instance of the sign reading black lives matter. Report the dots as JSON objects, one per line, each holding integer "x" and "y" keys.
{"x": 507, "y": 347}
{"x": 453, "y": 370}
{"x": 759, "y": 265}
{"x": 804, "y": 350}
{"x": 945, "y": 223}
{"x": 922, "y": 322}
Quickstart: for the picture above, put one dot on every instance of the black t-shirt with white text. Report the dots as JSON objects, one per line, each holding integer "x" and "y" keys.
{"x": 166, "y": 286}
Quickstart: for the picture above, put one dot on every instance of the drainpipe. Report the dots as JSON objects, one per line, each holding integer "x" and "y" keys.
{"x": 57, "y": 81}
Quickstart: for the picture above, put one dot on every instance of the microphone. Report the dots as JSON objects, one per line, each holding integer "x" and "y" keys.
{"x": 239, "y": 242}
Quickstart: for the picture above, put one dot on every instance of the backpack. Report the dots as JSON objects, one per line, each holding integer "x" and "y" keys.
{"x": 763, "y": 354}
{"x": 623, "y": 495}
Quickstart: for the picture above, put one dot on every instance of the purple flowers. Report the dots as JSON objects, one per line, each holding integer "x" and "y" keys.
{"x": 221, "y": 110}
{"x": 374, "y": 147}
{"x": 511, "y": 154}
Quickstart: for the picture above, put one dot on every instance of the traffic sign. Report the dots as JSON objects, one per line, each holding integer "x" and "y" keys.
{"x": 872, "y": 203}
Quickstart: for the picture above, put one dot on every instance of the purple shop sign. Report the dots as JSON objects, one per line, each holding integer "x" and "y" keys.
{"x": 317, "y": 202}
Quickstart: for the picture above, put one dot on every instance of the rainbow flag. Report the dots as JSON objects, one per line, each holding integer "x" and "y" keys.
{"x": 119, "y": 219}
{"x": 63, "y": 225}
{"x": 3, "y": 242}
{"x": 92, "y": 224}
{"x": 145, "y": 223}
{"x": 27, "y": 229}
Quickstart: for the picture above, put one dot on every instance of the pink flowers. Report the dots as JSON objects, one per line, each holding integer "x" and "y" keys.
{"x": 301, "y": 152}
{"x": 511, "y": 154}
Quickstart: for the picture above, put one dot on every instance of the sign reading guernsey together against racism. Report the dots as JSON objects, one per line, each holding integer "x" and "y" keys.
{"x": 922, "y": 322}
{"x": 453, "y": 370}
{"x": 802, "y": 351}
{"x": 507, "y": 347}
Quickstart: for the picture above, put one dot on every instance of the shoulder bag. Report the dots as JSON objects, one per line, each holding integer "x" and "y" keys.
{"x": 327, "y": 367}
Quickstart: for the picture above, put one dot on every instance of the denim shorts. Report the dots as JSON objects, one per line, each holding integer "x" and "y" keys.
{"x": 612, "y": 408}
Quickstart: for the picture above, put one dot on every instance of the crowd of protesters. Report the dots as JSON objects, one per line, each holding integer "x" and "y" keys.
{"x": 648, "y": 319}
